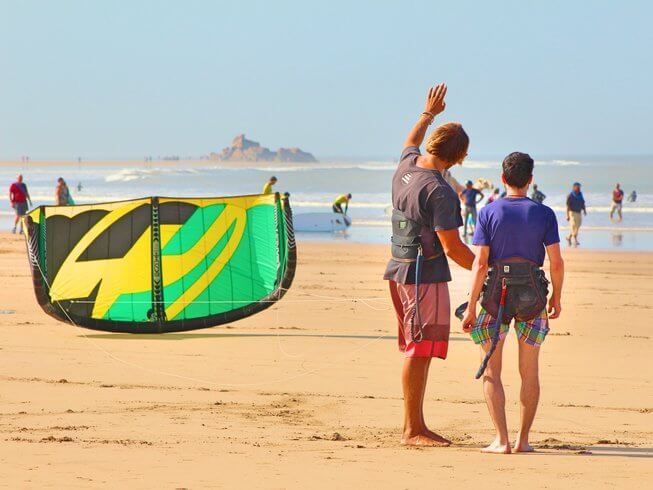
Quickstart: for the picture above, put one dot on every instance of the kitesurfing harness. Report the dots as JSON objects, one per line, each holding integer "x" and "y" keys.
{"x": 527, "y": 290}
{"x": 407, "y": 248}
{"x": 514, "y": 288}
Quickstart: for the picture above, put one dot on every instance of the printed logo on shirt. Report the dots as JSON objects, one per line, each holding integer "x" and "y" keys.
{"x": 406, "y": 178}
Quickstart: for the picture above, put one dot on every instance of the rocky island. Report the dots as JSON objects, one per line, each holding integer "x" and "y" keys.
{"x": 244, "y": 150}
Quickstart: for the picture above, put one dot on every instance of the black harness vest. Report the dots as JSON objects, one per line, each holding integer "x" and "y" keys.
{"x": 527, "y": 290}
{"x": 407, "y": 239}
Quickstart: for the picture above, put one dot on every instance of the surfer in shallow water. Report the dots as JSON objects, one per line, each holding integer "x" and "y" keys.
{"x": 426, "y": 218}
{"x": 338, "y": 203}
{"x": 512, "y": 237}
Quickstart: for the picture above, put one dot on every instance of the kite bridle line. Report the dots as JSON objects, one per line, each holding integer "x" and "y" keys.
{"x": 113, "y": 357}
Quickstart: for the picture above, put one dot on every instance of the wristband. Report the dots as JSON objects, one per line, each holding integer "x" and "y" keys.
{"x": 428, "y": 114}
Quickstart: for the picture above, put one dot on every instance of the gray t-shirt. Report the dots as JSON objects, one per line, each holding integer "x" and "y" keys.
{"x": 425, "y": 197}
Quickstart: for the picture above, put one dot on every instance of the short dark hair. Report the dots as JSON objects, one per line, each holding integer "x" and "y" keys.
{"x": 518, "y": 169}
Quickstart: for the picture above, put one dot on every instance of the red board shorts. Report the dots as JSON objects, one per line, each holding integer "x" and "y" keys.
{"x": 434, "y": 309}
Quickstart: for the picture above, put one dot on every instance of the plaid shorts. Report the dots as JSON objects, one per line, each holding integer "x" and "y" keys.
{"x": 532, "y": 331}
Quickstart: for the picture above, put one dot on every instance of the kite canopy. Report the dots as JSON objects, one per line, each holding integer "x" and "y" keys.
{"x": 161, "y": 264}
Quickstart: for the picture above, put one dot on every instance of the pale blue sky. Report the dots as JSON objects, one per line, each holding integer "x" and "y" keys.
{"x": 124, "y": 79}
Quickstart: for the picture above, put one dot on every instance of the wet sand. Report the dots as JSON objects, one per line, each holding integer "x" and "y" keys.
{"x": 307, "y": 393}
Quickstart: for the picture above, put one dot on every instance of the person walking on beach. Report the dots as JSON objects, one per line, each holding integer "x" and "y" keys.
{"x": 340, "y": 200}
{"x": 514, "y": 234}
{"x": 537, "y": 195}
{"x": 62, "y": 195}
{"x": 575, "y": 205}
{"x": 267, "y": 188}
{"x": 471, "y": 197}
{"x": 18, "y": 198}
{"x": 425, "y": 222}
{"x": 617, "y": 200}
{"x": 632, "y": 197}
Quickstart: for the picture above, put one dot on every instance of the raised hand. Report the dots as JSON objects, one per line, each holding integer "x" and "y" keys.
{"x": 435, "y": 103}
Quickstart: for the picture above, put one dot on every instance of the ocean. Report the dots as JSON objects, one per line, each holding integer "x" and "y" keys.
{"x": 312, "y": 187}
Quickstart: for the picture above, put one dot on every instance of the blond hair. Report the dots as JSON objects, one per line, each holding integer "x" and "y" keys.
{"x": 448, "y": 142}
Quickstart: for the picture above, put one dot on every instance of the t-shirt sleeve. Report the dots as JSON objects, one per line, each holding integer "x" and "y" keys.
{"x": 444, "y": 211}
{"x": 409, "y": 151}
{"x": 551, "y": 233}
{"x": 481, "y": 232}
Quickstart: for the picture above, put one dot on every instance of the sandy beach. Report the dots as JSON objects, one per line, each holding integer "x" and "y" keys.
{"x": 307, "y": 393}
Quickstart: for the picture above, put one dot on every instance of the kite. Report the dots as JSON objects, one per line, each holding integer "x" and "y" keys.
{"x": 161, "y": 264}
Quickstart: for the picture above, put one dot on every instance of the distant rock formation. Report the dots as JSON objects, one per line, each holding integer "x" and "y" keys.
{"x": 244, "y": 150}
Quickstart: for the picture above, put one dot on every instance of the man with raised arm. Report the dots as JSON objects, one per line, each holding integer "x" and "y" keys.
{"x": 512, "y": 236}
{"x": 425, "y": 223}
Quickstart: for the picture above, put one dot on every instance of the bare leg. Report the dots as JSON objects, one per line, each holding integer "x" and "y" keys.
{"x": 530, "y": 392}
{"x": 496, "y": 399}
{"x": 414, "y": 377}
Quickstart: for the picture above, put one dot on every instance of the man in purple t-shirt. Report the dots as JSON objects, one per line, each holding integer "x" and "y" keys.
{"x": 514, "y": 228}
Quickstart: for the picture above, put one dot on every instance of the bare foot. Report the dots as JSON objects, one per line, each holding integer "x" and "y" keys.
{"x": 436, "y": 437}
{"x": 426, "y": 439}
{"x": 523, "y": 448}
{"x": 497, "y": 448}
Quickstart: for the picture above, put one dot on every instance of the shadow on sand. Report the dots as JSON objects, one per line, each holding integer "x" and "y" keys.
{"x": 628, "y": 452}
{"x": 206, "y": 335}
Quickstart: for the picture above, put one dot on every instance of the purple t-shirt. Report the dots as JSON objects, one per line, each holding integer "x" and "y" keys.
{"x": 516, "y": 227}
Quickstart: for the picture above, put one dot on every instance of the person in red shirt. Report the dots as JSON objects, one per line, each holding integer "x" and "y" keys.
{"x": 617, "y": 200}
{"x": 18, "y": 198}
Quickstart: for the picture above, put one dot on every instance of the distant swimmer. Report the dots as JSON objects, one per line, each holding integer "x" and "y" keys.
{"x": 575, "y": 205}
{"x": 18, "y": 198}
{"x": 617, "y": 200}
{"x": 267, "y": 188}
{"x": 494, "y": 196}
{"x": 537, "y": 195}
{"x": 79, "y": 187}
{"x": 470, "y": 197}
{"x": 632, "y": 197}
{"x": 340, "y": 200}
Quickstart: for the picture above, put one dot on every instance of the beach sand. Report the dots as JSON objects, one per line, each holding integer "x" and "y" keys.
{"x": 307, "y": 394}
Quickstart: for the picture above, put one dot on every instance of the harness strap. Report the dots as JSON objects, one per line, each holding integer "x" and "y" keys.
{"x": 424, "y": 259}
{"x": 497, "y": 330}
{"x": 419, "y": 335}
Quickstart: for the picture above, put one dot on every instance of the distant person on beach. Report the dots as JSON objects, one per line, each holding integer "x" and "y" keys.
{"x": 453, "y": 182}
{"x": 632, "y": 197}
{"x": 513, "y": 235}
{"x": 617, "y": 201}
{"x": 494, "y": 196}
{"x": 340, "y": 200}
{"x": 537, "y": 195}
{"x": 575, "y": 206}
{"x": 470, "y": 197}
{"x": 267, "y": 188}
{"x": 425, "y": 220}
{"x": 18, "y": 198}
{"x": 62, "y": 195}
